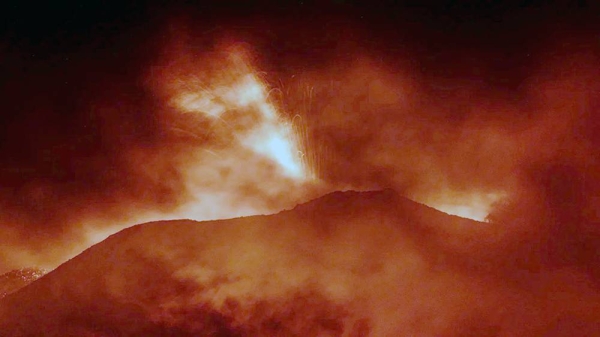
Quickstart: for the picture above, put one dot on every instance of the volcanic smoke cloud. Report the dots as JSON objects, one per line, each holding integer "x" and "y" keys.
{"x": 134, "y": 115}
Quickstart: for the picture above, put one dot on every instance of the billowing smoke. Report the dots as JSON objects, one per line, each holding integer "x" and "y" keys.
{"x": 76, "y": 123}
{"x": 132, "y": 123}
{"x": 110, "y": 128}
{"x": 524, "y": 157}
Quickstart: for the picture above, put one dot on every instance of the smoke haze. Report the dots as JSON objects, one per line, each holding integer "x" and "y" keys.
{"x": 495, "y": 107}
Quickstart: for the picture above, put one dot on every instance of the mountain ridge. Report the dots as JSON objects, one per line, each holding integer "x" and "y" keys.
{"x": 346, "y": 264}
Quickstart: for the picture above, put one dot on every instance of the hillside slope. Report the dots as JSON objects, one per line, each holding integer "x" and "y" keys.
{"x": 346, "y": 264}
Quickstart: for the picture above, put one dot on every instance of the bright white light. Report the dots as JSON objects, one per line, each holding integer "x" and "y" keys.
{"x": 473, "y": 206}
{"x": 274, "y": 144}
{"x": 469, "y": 212}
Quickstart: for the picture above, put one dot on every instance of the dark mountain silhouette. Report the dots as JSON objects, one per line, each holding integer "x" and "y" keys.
{"x": 346, "y": 264}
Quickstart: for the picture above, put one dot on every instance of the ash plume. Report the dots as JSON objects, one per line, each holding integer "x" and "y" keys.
{"x": 439, "y": 103}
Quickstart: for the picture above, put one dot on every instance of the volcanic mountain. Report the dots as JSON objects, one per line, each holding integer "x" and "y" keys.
{"x": 346, "y": 264}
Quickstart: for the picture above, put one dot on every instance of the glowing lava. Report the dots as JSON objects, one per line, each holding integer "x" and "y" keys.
{"x": 475, "y": 206}
{"x": 475, "y": 212}
{"x": 240, "y": 98}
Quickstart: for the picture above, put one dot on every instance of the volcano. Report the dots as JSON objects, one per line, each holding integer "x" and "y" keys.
{"x": 346, "y": 264}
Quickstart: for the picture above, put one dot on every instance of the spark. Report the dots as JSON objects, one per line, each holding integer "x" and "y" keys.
{"x": 262, "y": 130}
